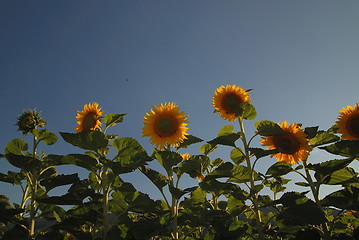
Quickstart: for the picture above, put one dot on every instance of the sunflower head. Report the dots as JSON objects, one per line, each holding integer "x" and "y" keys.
{"x": 29, "y": 120}
{"x": 89, "y": 117}
{"x": 165, "y": 125}
{"x": 348, "y": 123}
{"x": 293, "y": 146}
{"x": 228, "y": 99}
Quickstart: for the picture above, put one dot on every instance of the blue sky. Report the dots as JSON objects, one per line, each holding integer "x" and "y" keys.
{"x": 300, "y": 57}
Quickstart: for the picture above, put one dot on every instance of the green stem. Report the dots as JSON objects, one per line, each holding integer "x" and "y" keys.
{"x": 32, "y": 181}
{"x": 174, "y": 210}
{"x": 315, "y": 192}
{"x": 254, "y": 196}
{"x": 105, "y": 196}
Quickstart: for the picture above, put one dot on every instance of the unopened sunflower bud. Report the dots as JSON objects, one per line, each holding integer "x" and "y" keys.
{"x": 29, "y": 120}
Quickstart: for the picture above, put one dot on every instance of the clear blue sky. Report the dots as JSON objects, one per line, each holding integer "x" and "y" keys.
{"x": 301, "y": 58}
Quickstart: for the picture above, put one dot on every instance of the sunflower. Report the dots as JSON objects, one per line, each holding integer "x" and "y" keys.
{"x": 185, "y": 156}
{"x": 89, "y": 118}
{"x": 227, "y": 100}
{"x": 165, "y": 125}
{"x": 348, "y": 123}
{"x": 293, "y": 146}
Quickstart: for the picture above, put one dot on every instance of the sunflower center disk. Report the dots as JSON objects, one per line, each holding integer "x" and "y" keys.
{"x": 89, "y": 121}
{"x": 287, "y": 144}
{"x": 166, "y": 127}
{"x": 231, "y": 103}
{"x": 353, "y": 126}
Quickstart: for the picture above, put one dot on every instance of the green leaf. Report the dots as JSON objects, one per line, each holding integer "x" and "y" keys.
{"x": 130, "y": 156}
{"x": 237, "y": 155}
{"x": 345, "y": 199}
{"x": 227, "y": 140}
{"x": 242, "y": 174}
{"x": 198, "y": 196}
{"x": 342, "y": 176}
{"x": 156, "y": 178}
{"x": 167, "y": 159}
{"x": 59, "y": 180}
{"x": 207, "y": 148}
{"x": 279, "y": 169}
{"x": 311, "y": 131}
{"x": 80, "y": 160}
{"x": 344, "y": 148}
{"x": 189, "y": 141}
{"x": 247, "y": 111}
{"x": 324, "y": 169}
{"x": 44, "y": 135}
{"x": 67, "y": 199}
{"x": 299, "y": 210}
{"x": 194, "y": 166}
{"x": 89, "y": 140}
{"x": 269, "y": 128}
{"x": 25, "y": 163}
{"x": 225, "y": 130}
{"x": 113, "y": 119}
{"x": 215, "y": 187}
{"x": 323, "y": 138}
{"x": 259, "y": 152}
{"x": 16, "y": 146}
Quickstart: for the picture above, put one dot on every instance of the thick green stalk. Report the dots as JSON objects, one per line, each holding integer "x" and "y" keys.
{"x": 105, "y": 196}
{"x": 174, "y": 210}
{"x": 315, "y": 192}
{"x": 254, "y": 196}
{"x": 32, "y": 181}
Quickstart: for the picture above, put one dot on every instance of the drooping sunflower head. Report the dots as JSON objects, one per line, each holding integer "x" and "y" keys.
{"x": 29, "y": 120}
{"x": 89, "y": 117}
{"x": 293, "y": 147}
{"x": 165, "y": 125}
{"x": 348, "y": 123}
{"x": 227, "y": 100}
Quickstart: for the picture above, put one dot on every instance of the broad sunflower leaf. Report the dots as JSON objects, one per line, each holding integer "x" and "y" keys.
{"x": 215, "y": 187}
{"x": 157, "y": 178}
{"x": 344, "y": 148}
{"x": 80, "y": 160}
{"x": 311, "y": 131}
{"x": 259, "y": 152}
{"x": 227, "y": 140}
{"x": 225, "y": 130}
{"x": 343, "y": 176}
{"x": 25, "y": 163}
{"x": 269, "y": 128}
{"x": 167, "y": 159}
{"x": 113, "y": 119}
{"x": 16, "y": 146}
{"x": 89, "y": 140}
{"x": 207, "y": 148}
{"x": 247, "y": 111}
{"x": 324, "y": 169}
{"x": 130, "y": 156}
{"x": 190, "y": 139}
{"x": 59, "y": 180}
{"x": 45, "y": 136}
{"x": 242, "y": 174}
{"x": 345, "y": 199}
{"x": 237, "y": 155}
{"x": 67, "y": 199}
{"x": 322, "y": 138}
{"x": 279, "y": 169}
{"x": 194, "y": 166}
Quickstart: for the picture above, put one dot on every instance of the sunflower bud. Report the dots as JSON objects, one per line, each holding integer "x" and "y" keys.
{"x": 29, "y": 120}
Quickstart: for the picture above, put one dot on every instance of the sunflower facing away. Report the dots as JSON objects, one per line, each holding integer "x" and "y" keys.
{"x": 227, "y": 100}
{"x": 89, "y": 118}
{"x": 165, "y": 125}
{"x": 293, "y": 146}
{"x": 348, "y": 123}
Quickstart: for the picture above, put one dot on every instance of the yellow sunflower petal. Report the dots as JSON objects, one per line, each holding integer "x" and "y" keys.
{"x": 165, "y": 125}
{"x": 227, "y": 100}
{"x": 89, "y": 117}
{"x": 293, "y": 146}
{"x": 348, "y": 123}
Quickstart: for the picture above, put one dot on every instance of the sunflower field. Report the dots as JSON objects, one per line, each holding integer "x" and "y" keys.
{"x": 227, "y": 203}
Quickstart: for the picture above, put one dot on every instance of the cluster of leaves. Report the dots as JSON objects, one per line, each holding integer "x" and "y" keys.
{"x": 222, "y": 205}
